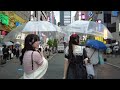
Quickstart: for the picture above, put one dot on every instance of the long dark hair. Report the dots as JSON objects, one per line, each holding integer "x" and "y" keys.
{"x": 74, "y": 39}
{"x": 28, "y": 43}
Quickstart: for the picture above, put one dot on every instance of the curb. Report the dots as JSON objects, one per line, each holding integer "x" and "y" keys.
{"x": 113, "y": 65}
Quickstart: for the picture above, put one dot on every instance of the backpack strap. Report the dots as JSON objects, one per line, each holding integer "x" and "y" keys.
{"x": 92, "y": 54}
{"x": 32, "y": 59}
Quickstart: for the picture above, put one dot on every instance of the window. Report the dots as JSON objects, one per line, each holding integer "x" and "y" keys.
{"x": 107, "y": 18}
{"x": 115, "y": 13}
{"x": 67, "y": 13}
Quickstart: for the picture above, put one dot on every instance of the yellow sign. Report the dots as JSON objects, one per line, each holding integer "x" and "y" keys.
{"x": 100, "y": 39}
{"x": 19, "y": 19}
{"x": 90, "y": 19}
{"x": 105, "y": 34}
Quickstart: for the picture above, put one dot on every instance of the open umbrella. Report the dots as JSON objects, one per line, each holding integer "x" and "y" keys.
{"x": 96, "y": 44}
{"x": 30, "y": 27}
{"x": 88, "y": 27}
{"x": 7, "y": 43}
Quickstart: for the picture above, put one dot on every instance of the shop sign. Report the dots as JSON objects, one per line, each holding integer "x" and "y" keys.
{"x": 17, "y": 23}
{"x": 4, "y": 19}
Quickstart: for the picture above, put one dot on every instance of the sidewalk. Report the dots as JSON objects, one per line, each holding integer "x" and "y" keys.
{"x": 113, "y": 60}
{"x": 13, "y": 70}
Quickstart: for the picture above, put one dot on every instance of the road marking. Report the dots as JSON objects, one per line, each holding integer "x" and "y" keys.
{"x": 113, "y": 65}
{"x": 52, "y": 57}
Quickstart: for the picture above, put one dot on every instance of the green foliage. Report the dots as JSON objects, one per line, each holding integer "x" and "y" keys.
{"x": 55, "y": 43}
{"x": 82, "y": 42}
{"x": 50, "y": 43}
{"x": 90, "y": 37}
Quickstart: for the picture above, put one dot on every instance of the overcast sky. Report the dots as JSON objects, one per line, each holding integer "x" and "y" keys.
{"x": 57, "y": 15}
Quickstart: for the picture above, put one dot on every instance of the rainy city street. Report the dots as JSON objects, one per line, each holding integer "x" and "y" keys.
{"x": 59, "y": 45}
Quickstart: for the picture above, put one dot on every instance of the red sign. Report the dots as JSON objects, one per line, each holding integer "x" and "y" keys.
{"x": 3, "y": 33}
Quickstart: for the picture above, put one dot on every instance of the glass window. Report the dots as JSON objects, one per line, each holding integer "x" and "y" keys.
{"x": 115, "y": 13}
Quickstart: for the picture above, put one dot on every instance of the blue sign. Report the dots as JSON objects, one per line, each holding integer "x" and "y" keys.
{"x": 115, "y": 13}
{"x": 17, "y": 23}
{"x": 90, "y": 13}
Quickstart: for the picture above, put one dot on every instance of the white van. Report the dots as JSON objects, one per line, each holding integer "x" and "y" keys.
{"x": 60, "y": 48}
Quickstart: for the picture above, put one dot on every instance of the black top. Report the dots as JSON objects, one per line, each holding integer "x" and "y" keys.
{"x": 76, "y": 68}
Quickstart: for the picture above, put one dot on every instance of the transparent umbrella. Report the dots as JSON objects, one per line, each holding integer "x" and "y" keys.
{"x": 19, "y": 33}
{"x": 88, "y": 27}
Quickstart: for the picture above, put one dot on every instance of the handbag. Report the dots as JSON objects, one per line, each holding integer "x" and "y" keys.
{"x": 11, "y": 55}
{"x": 90, "y": 71}
{"x": 38, "y": 73}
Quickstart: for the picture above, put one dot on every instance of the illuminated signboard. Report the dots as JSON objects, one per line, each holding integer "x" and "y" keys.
{"x": 4, "y": 19}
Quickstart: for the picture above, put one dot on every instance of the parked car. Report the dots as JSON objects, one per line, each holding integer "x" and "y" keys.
{"x": 60, "y": 48}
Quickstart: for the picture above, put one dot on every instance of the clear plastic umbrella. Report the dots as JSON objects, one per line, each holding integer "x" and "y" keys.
{"x": 38, "y": 26}
{"x": 19, "y": 33}
{"x": 88, "y": 27}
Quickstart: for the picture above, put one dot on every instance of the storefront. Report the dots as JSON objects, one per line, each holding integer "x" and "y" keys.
{"x": 8, "y": 21}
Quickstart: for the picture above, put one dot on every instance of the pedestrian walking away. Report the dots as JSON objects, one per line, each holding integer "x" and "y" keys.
{"x": 75, "y": 58}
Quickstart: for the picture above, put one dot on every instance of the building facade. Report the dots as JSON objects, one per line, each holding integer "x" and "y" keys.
{"x": 65, "y": 18}
{"x": 12, "y": 19}
{"x": 86, "y": 15}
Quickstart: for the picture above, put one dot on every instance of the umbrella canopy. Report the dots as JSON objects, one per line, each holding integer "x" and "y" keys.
{"x": 38, "y": 26}
{"x": 96, "y": 44}
{"x": 20, "y": 32}
{"x": 88, "y": 27}
{"x": 7, "y": 43}
{"x": 1, "y": 45}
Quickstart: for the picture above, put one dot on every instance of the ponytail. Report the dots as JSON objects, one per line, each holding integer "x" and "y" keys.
{"x": 70, "y": 49}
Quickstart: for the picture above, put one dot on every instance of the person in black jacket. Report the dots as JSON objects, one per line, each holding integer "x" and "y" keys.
{"x": 5, "y": 54}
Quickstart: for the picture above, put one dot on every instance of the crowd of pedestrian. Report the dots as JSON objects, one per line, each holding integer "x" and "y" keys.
{"x": 112, "y": 50}
{"x": 8, "y": 53}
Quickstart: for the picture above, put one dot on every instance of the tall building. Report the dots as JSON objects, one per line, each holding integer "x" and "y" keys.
{"x": 65, "y": 18}
{"x": 86, "y": 15}
{"x": 40, "y": 15}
